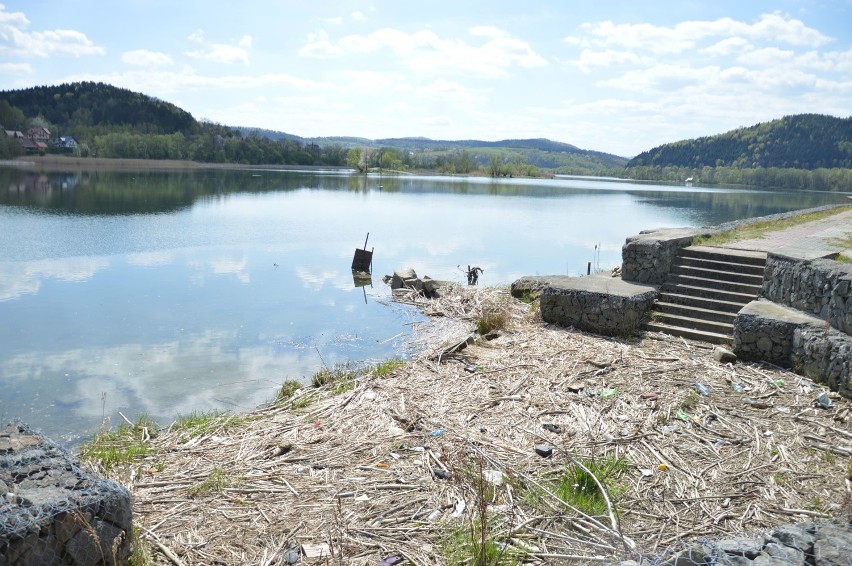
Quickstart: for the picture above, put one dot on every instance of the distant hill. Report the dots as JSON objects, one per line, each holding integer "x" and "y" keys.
{"x": 108, "y": 121}
{"x": 100, "y": 106}
{"x": 803, "y": 141}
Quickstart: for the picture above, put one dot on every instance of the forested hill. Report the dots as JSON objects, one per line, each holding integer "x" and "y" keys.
{"x": 89, "y": 107}
{"x": 804, "y": 141}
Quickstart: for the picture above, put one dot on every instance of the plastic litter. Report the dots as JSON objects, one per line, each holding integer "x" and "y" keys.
{"x": 543, "y": 450}
{"x": 824, "y": 401}
{"x": 550, "y": 427}
{"x": 607, "y": 393}
{"x": 440, "y": 473}
{"x": 437, "y": 432}
{"x": 738, "y": 387}
{"x": 703, "y": 389}
{"x": 291, "y": 556}
{"x": 470, "y": 369}
{"x": 682, "y": 416}
{"x": 391, "y": 560}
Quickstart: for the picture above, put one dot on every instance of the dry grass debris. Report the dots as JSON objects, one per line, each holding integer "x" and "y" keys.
{"x": 395, "y": 465}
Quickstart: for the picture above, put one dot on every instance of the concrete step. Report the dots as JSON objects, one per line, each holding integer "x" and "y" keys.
{"x": 701, "y": 302}
{"x": 730, "y": 255}
{"x": 718, "y": 274}
{"x": 719, "y": 265}
{"x": 708, "y": 293}
{"x": 694, "y": 312}
{"x": 728, "y": 286}
{"x": 703, "y": 336}
{"x": 688, "y": 322}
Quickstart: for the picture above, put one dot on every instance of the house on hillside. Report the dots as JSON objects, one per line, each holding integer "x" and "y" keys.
{"x": 65, "y": 142}
{"x": 38, "y": 135}
{"x": 14, "y": 134}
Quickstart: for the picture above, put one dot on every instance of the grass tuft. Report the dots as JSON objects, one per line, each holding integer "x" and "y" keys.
{"x": 217, "y": 481}
{"x": 288, "y": 389}
{"x": 387, "y": 367}
{"x": 492, "y": 318}
{"x": 128, "y": 443}
{"x": 202, "y": 423}
{"x": 340, "y": 377}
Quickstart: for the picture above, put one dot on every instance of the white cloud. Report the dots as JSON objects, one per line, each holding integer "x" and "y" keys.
{"x": 358, "y": 16}
{"x": 775, "y": 27}
{"x": 608, "y": 57}
{"x": 221, "y": 53}
{"x": 197, "y": 36}
{"x": 426, "y": 52}
{"x": 14, "y": 40}
{"x": 245, "y": 41}
{"x": 16, "y": 69}
{"x": 146, "y": 58}
{"x": 728, "y": 46}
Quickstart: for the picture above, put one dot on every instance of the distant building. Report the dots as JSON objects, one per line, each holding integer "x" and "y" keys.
{"x": 15, "y": 134}
{"x": 65, "y": 142}
{"x": 38, "y": 135}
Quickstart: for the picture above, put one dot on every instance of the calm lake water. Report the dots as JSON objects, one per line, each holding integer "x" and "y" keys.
{"x": 167, "y": 293}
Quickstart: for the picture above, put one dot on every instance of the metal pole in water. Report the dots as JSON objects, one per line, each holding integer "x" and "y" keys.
{"x": 589, "y": 268}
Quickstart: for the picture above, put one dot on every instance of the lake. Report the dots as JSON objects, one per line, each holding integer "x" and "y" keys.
{"x": 167, "y": 293}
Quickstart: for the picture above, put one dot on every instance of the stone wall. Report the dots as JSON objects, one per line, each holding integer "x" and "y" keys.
{"x": 648, "y": 257}
{"x": 824, "y": 355}
{"x": 603, "y": 305}
{"x": 804, "y": 544}
{"x": 54, "y": 512}
{"x": 820, "y": 287}
{"x": 765, "y": 331}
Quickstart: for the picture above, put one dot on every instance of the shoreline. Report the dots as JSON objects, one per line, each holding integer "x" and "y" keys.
{"x": 408, "y": 463}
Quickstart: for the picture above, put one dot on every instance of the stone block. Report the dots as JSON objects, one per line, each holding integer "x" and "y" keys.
{"x": 648, "y": 257}
{"x": 599, "y": 304}
{"x": 56, "y": 512}
{"x": 764, "y": 331}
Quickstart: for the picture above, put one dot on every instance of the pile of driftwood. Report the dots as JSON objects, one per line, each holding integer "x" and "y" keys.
{"x": 464, "y": 447}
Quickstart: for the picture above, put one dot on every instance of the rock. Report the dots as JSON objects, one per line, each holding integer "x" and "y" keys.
{"x": 833, "y": 546}
{"x": 60, "y": 512}
{"x": 724, "y": 355}
{"x": 743, "y": 546}
{"x": 401, "y": 277}
{"x": 783, "y": 553}
{"x": 795, "y": 536}
{"x": 543, "y": 450}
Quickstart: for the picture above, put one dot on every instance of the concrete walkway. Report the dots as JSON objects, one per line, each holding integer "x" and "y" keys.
{"x": 817, "y": 239}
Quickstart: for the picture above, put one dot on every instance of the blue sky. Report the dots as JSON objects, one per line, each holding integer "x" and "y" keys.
{"x": 613, "y": 76}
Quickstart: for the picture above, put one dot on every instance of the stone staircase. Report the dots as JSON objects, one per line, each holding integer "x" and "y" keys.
{"x": 705, "y": 289}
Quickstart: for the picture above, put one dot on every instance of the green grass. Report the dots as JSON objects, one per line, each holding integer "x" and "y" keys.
{"x": 110, "y": 448}
{"x": 288, "y": 389}
{"x": 492, "y": 318}
{"x": 467, "y": 545}
{"x": 340, "y": 377}
{"x": 140, "y": 555}
{"x": 387, "y": 367}
{"x": 843, "y": 258}
{"x": 576, "y": 487}
{"x": 759, "y": 229}
{"x": 201, "y": 423}
{"x": 217, "y": 481}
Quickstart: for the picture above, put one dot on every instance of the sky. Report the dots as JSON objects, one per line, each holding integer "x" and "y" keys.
{"x": 615, "y": 76}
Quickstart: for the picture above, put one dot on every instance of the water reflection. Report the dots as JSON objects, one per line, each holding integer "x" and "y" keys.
{"x": 168, "y": 292}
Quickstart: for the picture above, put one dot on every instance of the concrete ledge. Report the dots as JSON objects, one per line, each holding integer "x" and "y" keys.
{"x": 600, "y": 304}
